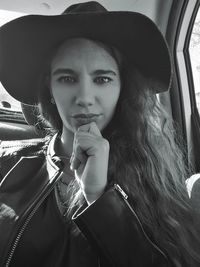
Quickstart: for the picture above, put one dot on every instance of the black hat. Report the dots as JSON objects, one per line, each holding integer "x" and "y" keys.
{"x": 27, "y": 42}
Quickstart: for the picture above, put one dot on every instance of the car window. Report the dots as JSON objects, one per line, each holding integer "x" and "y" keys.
{"x": 7, "y": 101}
{"x": 194, "y": 51}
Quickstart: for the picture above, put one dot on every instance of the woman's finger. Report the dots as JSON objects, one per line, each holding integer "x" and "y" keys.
{"x": 91, "y": 128}
{"x": 94, "y": 129}
{"x": 78, "y": 158}
{"x": 84, "y": 128}
{"x": 75, "y": 164}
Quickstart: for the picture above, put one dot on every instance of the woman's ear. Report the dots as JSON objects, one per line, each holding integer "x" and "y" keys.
{"x": 52, "y": 101}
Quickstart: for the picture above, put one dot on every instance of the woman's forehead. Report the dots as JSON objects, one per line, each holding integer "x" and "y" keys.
{"x": 77, "y": 51}
{"x": 75, "y": 43}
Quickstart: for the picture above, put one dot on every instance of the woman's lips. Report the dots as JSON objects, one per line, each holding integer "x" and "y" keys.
{"x": 86, "y": 118}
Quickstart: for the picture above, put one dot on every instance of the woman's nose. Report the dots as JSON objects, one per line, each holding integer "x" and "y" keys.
{"x": 85, "y": 95}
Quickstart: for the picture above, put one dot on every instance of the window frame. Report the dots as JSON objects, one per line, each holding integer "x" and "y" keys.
{"x": 190, "y": 114}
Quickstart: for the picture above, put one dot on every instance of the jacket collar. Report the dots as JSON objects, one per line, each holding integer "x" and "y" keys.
{"x": 53, "y": 160}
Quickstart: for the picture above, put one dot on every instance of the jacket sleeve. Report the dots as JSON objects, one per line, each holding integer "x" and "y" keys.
{"x": 114, "y": 229}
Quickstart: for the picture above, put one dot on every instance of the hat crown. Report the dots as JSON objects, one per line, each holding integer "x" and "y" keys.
{"x": 91, "y": 6}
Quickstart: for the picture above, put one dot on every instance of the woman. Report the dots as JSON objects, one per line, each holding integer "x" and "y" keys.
{"x": 108, "y": 188}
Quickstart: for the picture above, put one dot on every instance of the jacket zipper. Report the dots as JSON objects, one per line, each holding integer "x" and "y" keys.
{"x": 125, "y": 197}
{"x": 21, "y": 231}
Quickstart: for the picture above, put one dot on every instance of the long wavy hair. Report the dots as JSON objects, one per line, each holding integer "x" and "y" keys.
{"x": 147, "y": 159}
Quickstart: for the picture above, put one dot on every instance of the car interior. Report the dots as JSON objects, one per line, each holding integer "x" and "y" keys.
{"x": 178, "y": 21}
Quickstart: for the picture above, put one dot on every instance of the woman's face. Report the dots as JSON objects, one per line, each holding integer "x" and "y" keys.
{"x": 85, "y": 84}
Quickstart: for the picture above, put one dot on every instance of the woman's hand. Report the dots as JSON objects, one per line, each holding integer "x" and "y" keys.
{"x": 90, "y": 160}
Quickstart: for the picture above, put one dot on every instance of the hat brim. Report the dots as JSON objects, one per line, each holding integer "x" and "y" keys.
{"x": 27, "y": 42}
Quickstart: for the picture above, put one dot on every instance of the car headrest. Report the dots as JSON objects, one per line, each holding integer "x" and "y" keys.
{"x": 30, "y": 114}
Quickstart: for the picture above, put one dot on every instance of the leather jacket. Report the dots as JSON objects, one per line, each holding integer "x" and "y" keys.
{"x": 110, "y": 224}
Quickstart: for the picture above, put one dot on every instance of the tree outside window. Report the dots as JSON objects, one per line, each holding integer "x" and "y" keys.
{"x": 194, "y": 50}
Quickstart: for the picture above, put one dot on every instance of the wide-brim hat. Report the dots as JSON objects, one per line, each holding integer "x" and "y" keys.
{"x": 27, "y": 42}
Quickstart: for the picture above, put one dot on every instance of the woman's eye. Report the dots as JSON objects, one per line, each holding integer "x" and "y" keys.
{"x": 102, "y": 80}
{"x": 66, "y": 79}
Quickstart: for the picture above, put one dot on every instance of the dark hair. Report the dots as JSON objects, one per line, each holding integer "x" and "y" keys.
{"x": 147, "y": 159}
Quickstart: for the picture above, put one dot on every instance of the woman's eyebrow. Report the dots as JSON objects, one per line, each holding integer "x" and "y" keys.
{"x": 95, "y": 72}
{"x": 100, "y": 72}
{"x": 63, "y": 70}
